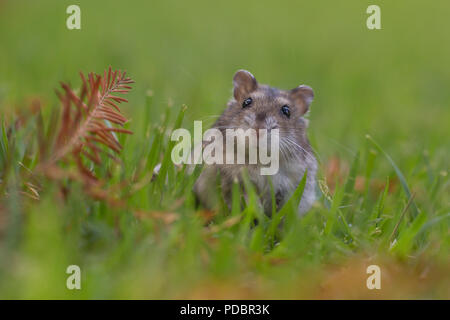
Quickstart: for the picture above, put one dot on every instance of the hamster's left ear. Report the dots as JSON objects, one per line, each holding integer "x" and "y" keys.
{"x": 302, "y": 96}
{"x": 244, "y": 83}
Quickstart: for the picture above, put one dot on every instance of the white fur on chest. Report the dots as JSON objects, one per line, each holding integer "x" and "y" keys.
{"x": 286, "y": 180}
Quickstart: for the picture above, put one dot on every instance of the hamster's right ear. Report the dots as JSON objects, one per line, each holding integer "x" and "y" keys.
{"x": 244, "y": 83}
{"x": 302, "y": 96}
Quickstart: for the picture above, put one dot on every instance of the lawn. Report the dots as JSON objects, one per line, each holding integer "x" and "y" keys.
{"x": 379, "y": 125}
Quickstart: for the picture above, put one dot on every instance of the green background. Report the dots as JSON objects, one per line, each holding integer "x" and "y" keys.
{"x": 392, "y": 84}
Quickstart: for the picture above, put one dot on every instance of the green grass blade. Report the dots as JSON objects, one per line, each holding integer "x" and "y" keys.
{"x": 405, "y": 241}
{"x": 399, "y": 174}
{"x": 350, "y": 184}
{"x": 334, "y": 210}
{"x": 167, "y": 159}
{"x": 290, "y": 205}
{"x": 349, "y": 187}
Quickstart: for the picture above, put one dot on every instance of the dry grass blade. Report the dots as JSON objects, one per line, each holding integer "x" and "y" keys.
{"x": 87, "y": 122}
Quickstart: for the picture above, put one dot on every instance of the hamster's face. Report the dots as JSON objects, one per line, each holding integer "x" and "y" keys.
{"x": 266, "y": 108}
{"x": 256, "y": 106}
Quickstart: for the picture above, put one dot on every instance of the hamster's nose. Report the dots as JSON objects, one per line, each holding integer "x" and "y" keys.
{"x": 260, "y": 117}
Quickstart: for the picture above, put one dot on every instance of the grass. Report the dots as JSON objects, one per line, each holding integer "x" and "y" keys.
{"x": 379, "y": 125}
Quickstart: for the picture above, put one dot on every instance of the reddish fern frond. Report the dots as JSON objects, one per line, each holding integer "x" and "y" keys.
{"x": 87, "y": 119}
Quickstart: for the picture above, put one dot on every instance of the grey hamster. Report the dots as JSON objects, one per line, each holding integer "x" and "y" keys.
{"x": 259, "y": 106}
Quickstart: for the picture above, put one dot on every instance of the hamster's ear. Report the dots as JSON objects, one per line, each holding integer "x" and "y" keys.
{"x": 302, "y": 96}
{"x": 244, "y": 83}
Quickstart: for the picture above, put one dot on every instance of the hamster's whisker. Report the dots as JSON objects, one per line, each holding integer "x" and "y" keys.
{"x": 314, "y": 151}
{"x": 296, "y": 145}
{"x": 313, "y": 156}
{"x": 307, "y": 153}
{"x": 286, "y": 151}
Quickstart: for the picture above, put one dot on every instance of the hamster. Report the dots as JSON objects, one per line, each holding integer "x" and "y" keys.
{"x": 257, "y": 106}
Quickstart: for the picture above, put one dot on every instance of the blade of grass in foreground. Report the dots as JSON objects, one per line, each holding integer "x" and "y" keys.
{"x": 371, "y": 155}
{"x": 405, "y": 242}
{"x": 400, "y": 175}
{"x": 378, "y": 210}
{"x": 167, "y": 160}
{"x": 349, "y": 187}
{"x": 4, "y": 140}
{"x": 291, "y": 204}
{"x": 350, "y": 184}
{"x": 236, "y": 199}
{"x": 155, "y": 149}
{"x": 335, "y": 214}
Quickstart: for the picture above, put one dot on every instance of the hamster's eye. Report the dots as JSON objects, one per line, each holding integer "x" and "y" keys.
{"x": 247, "y": 102}
{"x": 286, "y": 111}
